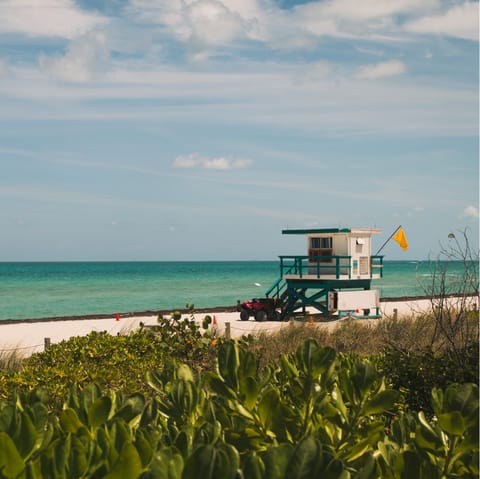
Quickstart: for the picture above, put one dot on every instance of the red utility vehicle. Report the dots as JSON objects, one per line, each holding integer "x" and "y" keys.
{"x": 260, "y": 308}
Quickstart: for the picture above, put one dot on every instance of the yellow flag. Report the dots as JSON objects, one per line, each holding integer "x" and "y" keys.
{"x": 401, "y": 239}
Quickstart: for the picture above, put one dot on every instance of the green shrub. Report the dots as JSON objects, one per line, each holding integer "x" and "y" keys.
{"x": 315, "y": 413}
{"x": 118, "y": 362}
{"x": 416, "y": 374}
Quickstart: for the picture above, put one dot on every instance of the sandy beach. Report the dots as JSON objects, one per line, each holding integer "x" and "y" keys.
{"x": 27, "y": 337}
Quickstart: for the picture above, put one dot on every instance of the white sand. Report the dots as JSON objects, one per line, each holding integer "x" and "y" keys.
{"x": 29, "y": 337}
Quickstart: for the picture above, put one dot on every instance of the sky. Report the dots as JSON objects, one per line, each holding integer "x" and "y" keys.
{"x": 200, "y": 129}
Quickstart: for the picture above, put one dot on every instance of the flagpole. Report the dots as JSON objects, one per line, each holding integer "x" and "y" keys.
{"x": 391, "y": 236}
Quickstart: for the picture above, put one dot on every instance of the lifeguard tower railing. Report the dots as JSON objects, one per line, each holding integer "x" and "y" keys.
{"x": 324, "y": 269}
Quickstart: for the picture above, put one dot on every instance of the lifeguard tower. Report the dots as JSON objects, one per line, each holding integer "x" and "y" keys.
{"x": 335, "y": 275}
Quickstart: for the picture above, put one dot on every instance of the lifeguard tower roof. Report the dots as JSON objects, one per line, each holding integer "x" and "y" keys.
{"x": 312, "y": 231}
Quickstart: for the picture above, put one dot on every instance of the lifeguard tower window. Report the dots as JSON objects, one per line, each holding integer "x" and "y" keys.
{"x": 321, "y": 243}
{"x": 321, "y": 247}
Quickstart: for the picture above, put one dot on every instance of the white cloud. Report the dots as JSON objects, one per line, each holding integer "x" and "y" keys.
{"x": 356, "y": 11}
{"x": 83, "y": 60}
{"x": 261, "y": 95}
{"x": 354, "y": 19}
{"x": 203, "y": 23}
{"x": 212, "y": 23}
{"x": 206, "y": 25}
{"x": 194, "y": 160}
{"x": 460, "y": 21}
{"x": 380, "y": 70}
{"x": 51, "y": 18}
{"x": 471, "y": 211}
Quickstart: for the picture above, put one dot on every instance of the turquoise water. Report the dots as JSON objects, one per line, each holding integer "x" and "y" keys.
{"x": 40, "y": 290}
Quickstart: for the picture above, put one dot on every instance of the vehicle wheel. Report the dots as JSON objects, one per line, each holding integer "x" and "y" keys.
{"x": 276, "y": 316}
{"x": 244, "y": 315}
{"x": 260, "y": 316}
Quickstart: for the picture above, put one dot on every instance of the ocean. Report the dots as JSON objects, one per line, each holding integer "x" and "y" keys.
{"x": 59, "y": 289}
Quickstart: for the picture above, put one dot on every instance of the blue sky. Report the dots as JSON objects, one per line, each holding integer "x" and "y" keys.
{"x": 199, "y": 129}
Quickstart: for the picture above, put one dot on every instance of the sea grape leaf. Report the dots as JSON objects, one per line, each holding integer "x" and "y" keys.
{"x": 200, "y": 463}
{"x": 253, "y": 466}
{"x": 304, "y": 355}
{"x": 367, "y": 469}
{"x": 26, "y": 435}
{"x": 381, "y": 402}
{"x": 411, "y": 462}
{"x": 250, "y": 389}
{"x": 128, "y": 464}
{"x": 228, "y": 363}
{"x": 104, "y": 443}
{"x": 218, "y": 386}
{"x": 58, "y": 452}
{"x": 7, "y": 412}
{"x": 337, "y": 399}
{"x": 91, "y": 392}
{"x": 363, "y": 376}
{"x": 34, "y": 470}
{"x": 268, "y": 408}
{"x": 120, "y": 433}
{"x": 70, "y": 421}
{"x": 144, "y": 448}
{"x": 149, "y": 414}
{"x": 335, "y": 470}
{"x": 358, "y": 450}
{"x": 426, "y": 437}
{"x": 78, "y": 461}
{"x": 183, "y": 442}
{"x": 207, "y": 433}
{"x": 39, "y": 415}
{"x": 11, "y": 463}
{"x": 184, "y": 373}
{"x": 463, "y": 398}
{"x": 184, "y": 398}
{"x": 305, "y": 460}
{"x": 211, "y": 462}
{"x": 39, "y": 395}
{"x": 289, "y": 366}
{"x": 231, "y": 459}
{"x": 99, "y": 411}
{"x": 452, "y": 423}
{"x": 154, "y": 381}
{"x": 242, "y": 410}
{"x": 276, "y": 461}
{"x": 167, "y": 464}
{"x": 247, "y": 364}
{"x": 315, "y": 360}
{"x": 132, "y": 407}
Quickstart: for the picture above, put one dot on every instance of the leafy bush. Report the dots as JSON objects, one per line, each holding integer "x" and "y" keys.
{"x": 112, "y": 361}
{"x": 416, "y": 374}
{"x": 314, "y": 414}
